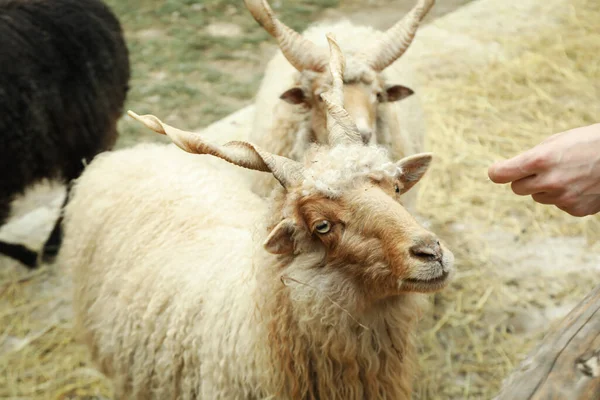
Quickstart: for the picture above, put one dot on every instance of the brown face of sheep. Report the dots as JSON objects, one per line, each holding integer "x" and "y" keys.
{"x": 369, "y": 235}
{"x": 362, "y": 100}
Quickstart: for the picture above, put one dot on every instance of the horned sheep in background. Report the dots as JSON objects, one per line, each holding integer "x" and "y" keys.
{"x": 63, "y": 83}
{"x": 189, "y": 286}
{"x": 298, "y": 75}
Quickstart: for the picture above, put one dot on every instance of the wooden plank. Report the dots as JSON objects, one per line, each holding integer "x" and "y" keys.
{"x": 566, "y": 364}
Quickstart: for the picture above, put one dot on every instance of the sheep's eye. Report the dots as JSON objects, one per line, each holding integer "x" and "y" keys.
{"x": 397, "y": 188}
{"x": 379, "y": 96}
{"x": 323, "y": 227}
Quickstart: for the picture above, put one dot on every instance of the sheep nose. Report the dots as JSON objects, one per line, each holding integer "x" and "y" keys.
{"x": 428, "y": 249}
{"x": 366, "y": 136}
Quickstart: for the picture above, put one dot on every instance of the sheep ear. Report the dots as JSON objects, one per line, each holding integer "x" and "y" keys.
{"x": 280, "y": 239}
{"x": 397, "y": 92}
{"x": 294, "y": 96}
{"x": 412, "y": 169}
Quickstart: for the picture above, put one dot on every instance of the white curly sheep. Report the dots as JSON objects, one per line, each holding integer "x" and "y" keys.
{"x": 190, "y": 286}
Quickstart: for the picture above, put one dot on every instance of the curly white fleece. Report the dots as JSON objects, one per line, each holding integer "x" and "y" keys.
{"x": 338, "y": 170}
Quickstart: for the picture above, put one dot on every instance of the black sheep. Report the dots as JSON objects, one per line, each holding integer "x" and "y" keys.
{"x": 64, "y": 73}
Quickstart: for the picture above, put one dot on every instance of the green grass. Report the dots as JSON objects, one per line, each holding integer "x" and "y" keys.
{"x": 187, "y": 76}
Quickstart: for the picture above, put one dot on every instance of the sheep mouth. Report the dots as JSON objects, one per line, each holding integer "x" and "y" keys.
{"x": 433, "y": 281}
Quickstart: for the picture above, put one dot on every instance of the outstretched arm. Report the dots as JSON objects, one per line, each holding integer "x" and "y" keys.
{"x": 563, "y": 170}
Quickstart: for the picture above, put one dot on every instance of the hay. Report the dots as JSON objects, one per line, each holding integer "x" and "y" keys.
{"x": 38, "y": 356}
{"x": 502, "y": 298}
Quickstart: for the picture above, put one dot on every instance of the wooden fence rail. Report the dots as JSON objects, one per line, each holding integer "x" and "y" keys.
{"x": 566, "y": 364}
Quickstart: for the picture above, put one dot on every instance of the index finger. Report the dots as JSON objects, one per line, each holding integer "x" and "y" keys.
{"x": 512, "y": 169}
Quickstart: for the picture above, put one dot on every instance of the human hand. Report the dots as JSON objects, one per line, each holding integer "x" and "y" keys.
{"x": 563, "y": 170}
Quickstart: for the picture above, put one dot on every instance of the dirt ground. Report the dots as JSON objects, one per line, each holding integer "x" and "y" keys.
{"x": 382, "y": 14}
{"x": 193, "y": 82}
